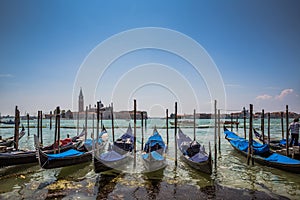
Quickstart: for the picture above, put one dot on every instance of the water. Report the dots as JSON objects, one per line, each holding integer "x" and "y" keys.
{"x": 232, "y": 179}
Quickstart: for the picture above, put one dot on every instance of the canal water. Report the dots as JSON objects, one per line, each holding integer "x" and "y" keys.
{"x": 232, "y": 179}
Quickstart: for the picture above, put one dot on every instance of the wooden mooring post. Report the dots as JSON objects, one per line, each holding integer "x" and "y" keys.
{"x": 93, "y": 126}
{"x": 237, "y": 123}
{"x": 93, "y": 132}
{"x": 282, "y": 126}
{"x": 142, "y": 126}
{"x": 231, "y": 122}
{"x": 41, "y": 127}
{"x": 77, "y": 123}
{"x": 57, "y": 130}
{"x": 175, "y": 134}
{"x": 167, "y": 126}
{"x": 97, "y": 125}
{"x": 215, "y": 133}
{"x": 269, "y": 126}
{"x": 146, "y": 118}
{"x": 86, "y": 125}
{"x": 101, "y": 119}
{"x": 250, "y": 146}
{"x": 219, "y": 130}
{"x": 112, "y": 122}
{"x": 134, "y": 130}
{"x": 245, "y": 126}
{"x": 287, "y": 129}
{"x": 17, "y": 123}
{"x": 263, "y": 125}
{"x": 194, "y": 125}
{"x": 50, "y": 120}
{"x": 38, "y": 125}
{"x": 28, "y": 133}
{"x": 58, "y": 127}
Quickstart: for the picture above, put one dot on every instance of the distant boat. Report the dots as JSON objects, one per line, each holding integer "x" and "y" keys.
{"x": 231, "y": 122}
{"x": 194, "y": 154}
{"x": 154, "y": 154}
{"x": 7, "y": 122}
{"x": 262, "y": 153}
{"x": 8, "y": 142}
{"x": 183, "y": 123}
{"x": 118, "y": 155}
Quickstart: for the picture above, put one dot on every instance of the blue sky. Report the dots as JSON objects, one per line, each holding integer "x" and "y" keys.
{"x": 254, "y": 44}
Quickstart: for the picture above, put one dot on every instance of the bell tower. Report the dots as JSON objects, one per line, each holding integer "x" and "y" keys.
{"x": 80, "y": 101}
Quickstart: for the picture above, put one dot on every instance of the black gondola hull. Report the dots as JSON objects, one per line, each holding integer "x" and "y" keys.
{"x": 62, "y": 162}
{"x": 205, "y": 166}
{"x": 17, "y": 158}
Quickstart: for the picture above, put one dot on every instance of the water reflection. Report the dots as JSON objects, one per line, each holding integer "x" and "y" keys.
{"x": 106, "y": 183}
{"x": 153, "y": 188}
{"x": 13, "y": 177}
{"x": 17, "y": 169}
{"x": 75, "y": 172}
{"x": 153, "y": 181}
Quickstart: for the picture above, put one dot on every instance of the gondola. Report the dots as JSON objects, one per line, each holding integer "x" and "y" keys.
{"x": 8, "y": 142}
{"x": 64, "y": 144}
{"x": 279, "y": 146}
{"x": 66, "y": 158}
{"x": 193, "y": 153}
{"x": 118, "y": 155}
{"x": 87, "y": 144}
{"x": 17, "y": 157}
{"x": 154, "y": 153}
{"x": 262, "y": 154}
{"x": 275, "y": 144}
{"x": 11, "y": 156}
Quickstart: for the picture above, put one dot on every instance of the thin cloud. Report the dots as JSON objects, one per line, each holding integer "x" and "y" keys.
{"x": 263, "y": 97}
{"x": 6, "y": 76}
{"x": 233, "y": 85}
{"x": 284, "y": 93}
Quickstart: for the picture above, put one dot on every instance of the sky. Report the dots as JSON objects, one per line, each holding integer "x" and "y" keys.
{"x": 252, "y": 48}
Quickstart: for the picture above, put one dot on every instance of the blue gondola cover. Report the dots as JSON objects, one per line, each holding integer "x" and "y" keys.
{"x": 71, "y": 152}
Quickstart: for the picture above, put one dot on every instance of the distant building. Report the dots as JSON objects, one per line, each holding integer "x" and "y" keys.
{"x": 69, "y": 114}
{"x": 80, "y": 102}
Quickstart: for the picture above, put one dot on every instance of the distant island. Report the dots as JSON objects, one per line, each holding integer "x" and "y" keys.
{"x": 234, "y": 115}
{"x": 106, "y": 113}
